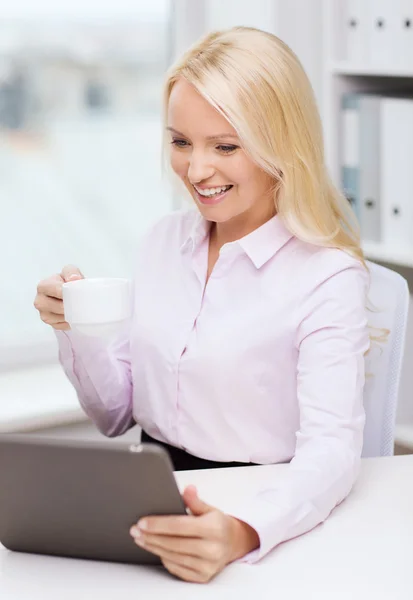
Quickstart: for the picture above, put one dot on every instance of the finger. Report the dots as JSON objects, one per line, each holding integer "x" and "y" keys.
{"x": 186, "y": 573}
{"x": 48, "y": 304}
{"x": 52, "y": 319}
{"x": 51, "y": 287}
{"x": 194, "y": 503}
{"x": 198, "y": 547}
{"x": 195, "y": 563}
{"x": 181, "y": 526}
{"x": 71, "y": 273}
{"x": 62, "y": 326}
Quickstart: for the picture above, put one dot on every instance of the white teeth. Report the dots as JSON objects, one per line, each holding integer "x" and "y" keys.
{"x": 212, "y": 191}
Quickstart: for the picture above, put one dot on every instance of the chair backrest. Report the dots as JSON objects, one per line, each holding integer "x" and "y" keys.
{"x": 389, "y": 295}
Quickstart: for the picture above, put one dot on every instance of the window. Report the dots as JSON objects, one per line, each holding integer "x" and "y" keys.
{"x": 80, "y": 148}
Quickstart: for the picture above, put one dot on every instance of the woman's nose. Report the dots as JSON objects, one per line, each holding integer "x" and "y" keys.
{"x": 199, "y": 168}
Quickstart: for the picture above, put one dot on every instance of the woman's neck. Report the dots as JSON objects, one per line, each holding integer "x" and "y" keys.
{"x": 237, "y": 228}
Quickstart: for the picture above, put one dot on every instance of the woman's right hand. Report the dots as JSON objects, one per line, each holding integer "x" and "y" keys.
{"x": 49, "y": 297}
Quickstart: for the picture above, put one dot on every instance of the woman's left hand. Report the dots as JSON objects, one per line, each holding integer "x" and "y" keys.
{"x": 195, "y": 547}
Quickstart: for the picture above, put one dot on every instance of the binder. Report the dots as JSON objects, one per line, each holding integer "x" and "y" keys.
{"x": 404, "y": 10}
{"x": 350, "y": 150}
{"x": 369, "y": 167}
{"x": 383, "y": 28}
{"x": 396, "y": 174}
{"x": 355, "y": 15}
{"x": 361, "y": 160}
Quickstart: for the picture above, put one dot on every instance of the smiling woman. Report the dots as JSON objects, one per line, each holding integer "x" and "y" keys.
{"x": 250, "y": 329}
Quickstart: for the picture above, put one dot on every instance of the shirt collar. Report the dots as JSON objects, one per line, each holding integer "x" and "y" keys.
{"x": 197, "y": 234}
{"x": 260, "y": 245}
{"x": 265, "y": 241}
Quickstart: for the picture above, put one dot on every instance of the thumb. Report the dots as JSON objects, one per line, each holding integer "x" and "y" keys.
{"x": 194, "y": 503}
{"x": 71, "y": 273}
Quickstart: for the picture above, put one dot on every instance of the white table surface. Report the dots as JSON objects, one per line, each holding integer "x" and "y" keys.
{"x": 363, "y": 551}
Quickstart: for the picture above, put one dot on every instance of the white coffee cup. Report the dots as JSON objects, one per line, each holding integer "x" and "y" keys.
{"x": 98, "y": 306}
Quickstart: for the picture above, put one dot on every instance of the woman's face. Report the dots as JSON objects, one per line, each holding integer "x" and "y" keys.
{"x": 207, "y": 156}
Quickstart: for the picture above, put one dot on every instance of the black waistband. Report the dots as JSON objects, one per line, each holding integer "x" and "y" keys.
{"x": 183, "y": 461}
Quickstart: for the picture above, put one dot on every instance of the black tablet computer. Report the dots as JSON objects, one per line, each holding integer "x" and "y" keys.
{"x": 79, "y": 499}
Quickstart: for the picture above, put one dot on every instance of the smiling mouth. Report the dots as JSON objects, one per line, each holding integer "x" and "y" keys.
{"x": 213, "y": 198}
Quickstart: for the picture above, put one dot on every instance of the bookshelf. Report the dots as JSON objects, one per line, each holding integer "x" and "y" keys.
{"x": 341, "y": 75}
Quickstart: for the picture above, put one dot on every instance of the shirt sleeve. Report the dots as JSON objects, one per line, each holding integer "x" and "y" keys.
{"x": 101, "y": 372}
{"x": 101, "y": 376}
{"x": 331, "y": 340}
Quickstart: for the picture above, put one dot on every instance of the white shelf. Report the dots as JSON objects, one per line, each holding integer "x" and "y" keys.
{"x": 377, "y": 251}
{"x": 347, "y": 68}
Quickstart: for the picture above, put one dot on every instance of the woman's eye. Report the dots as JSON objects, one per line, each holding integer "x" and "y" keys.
{"x": 224, "y": 148}
{"x": 179, "y": 143}
{"x": 227, "y": 149}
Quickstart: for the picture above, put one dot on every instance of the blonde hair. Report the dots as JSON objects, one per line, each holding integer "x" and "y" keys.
{"x": 259, "y": 85}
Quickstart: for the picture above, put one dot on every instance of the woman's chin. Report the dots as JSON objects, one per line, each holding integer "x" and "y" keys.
{"x": 217, "y": 214}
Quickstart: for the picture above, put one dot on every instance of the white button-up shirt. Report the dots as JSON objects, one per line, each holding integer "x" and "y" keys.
{"x": 264, "y": 363}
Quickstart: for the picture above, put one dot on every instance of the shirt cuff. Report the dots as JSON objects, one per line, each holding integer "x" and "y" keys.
{"x": 71, "y": 342}
{"x": 272, "y": 522}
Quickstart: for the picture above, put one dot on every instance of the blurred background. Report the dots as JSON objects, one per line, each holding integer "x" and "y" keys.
{"x": 80, "y": 152}
{"x": 80, "y": 100}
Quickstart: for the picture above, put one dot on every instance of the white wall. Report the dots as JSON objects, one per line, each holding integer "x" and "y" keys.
{"x": 229, "y": 13}
{"x": 300, "y": 26}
